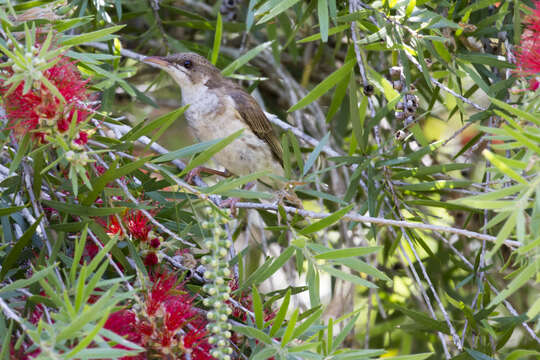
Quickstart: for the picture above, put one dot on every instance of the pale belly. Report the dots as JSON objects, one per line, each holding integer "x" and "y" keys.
{"x": 245, "y": 155}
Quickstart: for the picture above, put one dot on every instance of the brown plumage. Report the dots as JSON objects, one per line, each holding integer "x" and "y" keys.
{"x": 199, "y": 68}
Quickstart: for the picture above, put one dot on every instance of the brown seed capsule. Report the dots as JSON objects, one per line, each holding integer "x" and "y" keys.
{"x": 400, "y": 135}
{"x": 398, "y": 85}
{"x": 368, "y": 90}
{"x": 395, "y": 72}
{"x": 399, "y": 105}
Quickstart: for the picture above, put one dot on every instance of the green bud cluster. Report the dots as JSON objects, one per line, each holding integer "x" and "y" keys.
{"x": 217, "y": 274}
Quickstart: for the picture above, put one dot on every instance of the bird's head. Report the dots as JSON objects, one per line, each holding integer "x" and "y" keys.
{"x": 187, "y": 69}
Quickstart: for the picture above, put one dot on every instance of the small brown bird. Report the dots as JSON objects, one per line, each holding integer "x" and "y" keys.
{"x": 219, "y": 107}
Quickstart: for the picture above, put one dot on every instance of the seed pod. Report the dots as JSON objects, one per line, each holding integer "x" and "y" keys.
{"x": 398, "y": 85}
{"x": 368, "y": 90}
{"x": 400, "y": 135}
{"x": 395, "y": 72}
{"x": 400, "y": 105}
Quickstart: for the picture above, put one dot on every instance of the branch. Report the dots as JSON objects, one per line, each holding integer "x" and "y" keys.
{"x": 380, "y": 221}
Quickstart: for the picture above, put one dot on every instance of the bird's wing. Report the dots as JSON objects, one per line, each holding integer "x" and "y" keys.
{"x": 254, "y": 116}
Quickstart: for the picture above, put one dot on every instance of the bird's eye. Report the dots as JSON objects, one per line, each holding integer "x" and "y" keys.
{"x": 187, "y": 64}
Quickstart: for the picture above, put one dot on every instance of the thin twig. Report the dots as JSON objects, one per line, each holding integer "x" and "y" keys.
{"x": 380, "y": 221}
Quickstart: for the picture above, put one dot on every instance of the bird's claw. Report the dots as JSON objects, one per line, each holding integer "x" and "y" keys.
{"x": 231, "y": 204}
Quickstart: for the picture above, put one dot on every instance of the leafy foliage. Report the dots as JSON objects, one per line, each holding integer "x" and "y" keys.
{"x": 410, "y": 139}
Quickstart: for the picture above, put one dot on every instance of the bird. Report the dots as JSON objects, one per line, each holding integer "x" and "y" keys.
{"x": 219, "y": 107}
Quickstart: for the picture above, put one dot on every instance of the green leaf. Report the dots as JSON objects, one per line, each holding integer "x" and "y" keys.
{"x": 421, "y": 356}
{"x": 24, "y": 283}
{"x": 211, "y": 151}
{"x": 282, "y": 312}
{"x": 24, "y": 146}
{"x": 287, "y": 336}
{"x": 324, "y": 86}
{"x": 302, "y": 328}
{"x": 10, "y": 210}
{"x": 436, "y": 185}
{"x": 347, "y": 277}
{"x": 217, "y": 39}
{"x": 477, "y": 355}
{"x": 428, "y": 170}
{"x": 343, "y": 334}
{"x": 275, "y": 8}
{"x": 110, "y": 175}
{"x": 14, "y": 254}
{"x": 253, "y": 333}
{"x": 257, "y": 308}
{"x": 524, "y": 276}
{"x": 347, "y": 252}
{"x": 265, "y": 353}
{"x": 88, "y": 37}
{"x": 186, "y": 151}
{"x": 363, "y": 267}
{"x": 81, "y": 210}
{"x": 164, "y": 120}
{"x": 229, "y": 184}
{"x": 244, "y": 59}
{"x": 517, "y": 112}
{"x": 326, "y": 222}
{"x": 410, "y": 8}
{"x": 424, "y": 320}
{"x": 322, "y": 12}
{"x": 315, "y": 153}
{"x": 317, "y": 36}
{"x": 504, "y": 166}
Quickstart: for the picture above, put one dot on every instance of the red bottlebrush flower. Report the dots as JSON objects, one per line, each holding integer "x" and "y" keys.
{"x": 160, "y": 292}
{"x": 40, "y": 107}
{"x": 124, "y": 323}
{"x": 138, "y": 226}
{"x": 151, "y": 259}
{"x": 155, "y": 243}
{"x": 196, "y": 345}
{"x": 178, "y": 311}
{"x": 82, "y": 138}
{"x": 528, "y": 56}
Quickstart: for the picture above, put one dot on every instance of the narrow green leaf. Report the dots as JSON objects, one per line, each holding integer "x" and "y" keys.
{"x": 24, "y": 146}
{"x": 244, "y": 59}
{"x": 161, "y": 121}
{"x": 24, "y": 283}
{"x": 287, "y": 336}
{"x": 282, "y": 312}
{"x": 331, "y": 31}
{"x": 324, "y": 86}
{"x": 504, "y": 166}
{"x": 217, "y": 39}
{"x": 343, "y": 334}
{"x": 14, "y": 253}
{"x": 347, "y": 252}
{"x": 347, "y": 277}
{"x": 253, "y": 333}
{"x": 275, "y": 10}
{"x": 302, "y": 328}
{"x": 421, "y": 356}
{"x": 326, "y": 222}
{"x": 322, "y": 12}
{"x": 186, "y": 151}
{"x": 229, "y": 184}
{"x": 257, "y": 308}
{"x": 10, "y": 210}
{"x": 211, "y": 151}
{"x": 517, "y": 112}
{"x": 88, "y": 37}
{"x": 524, "y": 276}
{"x": 76, "y": 209}
{"x": 315, "y": 153}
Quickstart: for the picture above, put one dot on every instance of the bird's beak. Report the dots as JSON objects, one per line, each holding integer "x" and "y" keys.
{"x": 156, "y": 61}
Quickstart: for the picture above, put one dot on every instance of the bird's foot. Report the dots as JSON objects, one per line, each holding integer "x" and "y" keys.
{"x": 203, "y": 169}
{"x": 287, "y": 194}
{"x": 231, "y": 204}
